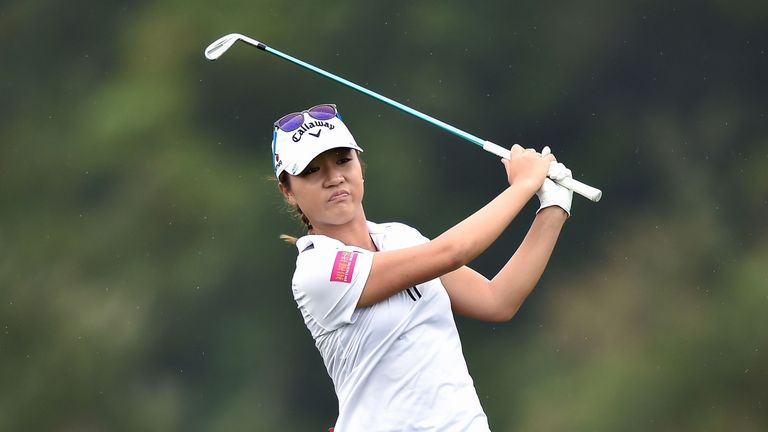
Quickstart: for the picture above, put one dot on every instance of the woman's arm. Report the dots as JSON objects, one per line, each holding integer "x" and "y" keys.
{"x": 393, "y": 271}
{"x": 474, "y": 296}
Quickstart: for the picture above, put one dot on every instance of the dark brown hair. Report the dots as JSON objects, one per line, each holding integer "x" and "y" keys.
{"x": 295, "y": 210}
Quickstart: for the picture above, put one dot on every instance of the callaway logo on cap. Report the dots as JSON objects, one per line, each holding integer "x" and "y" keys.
{"x": 299, "y": 137}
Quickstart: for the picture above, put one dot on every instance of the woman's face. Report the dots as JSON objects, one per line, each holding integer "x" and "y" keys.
{"x": 330, "y": 189}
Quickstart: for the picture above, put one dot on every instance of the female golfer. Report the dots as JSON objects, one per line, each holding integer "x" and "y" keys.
{"x": 379, "y": 298}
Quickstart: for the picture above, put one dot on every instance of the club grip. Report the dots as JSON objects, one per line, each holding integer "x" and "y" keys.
{"x": 585, "y": 190}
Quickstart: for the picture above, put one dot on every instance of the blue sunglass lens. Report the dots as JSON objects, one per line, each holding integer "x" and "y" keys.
{"x": 323, "y": 112}
{"x": 291, "y": 122}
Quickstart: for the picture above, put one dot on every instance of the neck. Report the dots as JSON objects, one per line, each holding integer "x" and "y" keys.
{"x": 354, "y": 233}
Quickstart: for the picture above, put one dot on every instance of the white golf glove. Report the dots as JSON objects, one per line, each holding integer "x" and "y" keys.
{"x": 552, "y": 194}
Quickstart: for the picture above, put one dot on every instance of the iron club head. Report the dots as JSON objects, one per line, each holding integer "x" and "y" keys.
{"x": 222, "y": 44}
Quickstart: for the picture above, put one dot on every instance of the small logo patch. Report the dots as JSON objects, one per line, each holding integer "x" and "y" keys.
{"x": 343, "y": 267}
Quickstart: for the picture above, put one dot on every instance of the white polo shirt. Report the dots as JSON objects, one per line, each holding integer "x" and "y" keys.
{"x": 396, "y": 365}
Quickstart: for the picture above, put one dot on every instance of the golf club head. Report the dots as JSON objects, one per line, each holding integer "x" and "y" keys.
{"x": 222, "y": 44}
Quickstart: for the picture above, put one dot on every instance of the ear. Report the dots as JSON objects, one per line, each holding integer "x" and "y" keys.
{"x": 287, "y": 194}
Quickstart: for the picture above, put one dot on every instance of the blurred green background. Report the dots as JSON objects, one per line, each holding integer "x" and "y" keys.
{"x": 143, "y": 286}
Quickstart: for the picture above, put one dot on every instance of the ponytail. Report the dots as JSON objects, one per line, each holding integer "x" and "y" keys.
{"x": 295, "y": 210}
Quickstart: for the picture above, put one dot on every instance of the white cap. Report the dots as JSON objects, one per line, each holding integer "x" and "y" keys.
{"x": 293, "y": 151}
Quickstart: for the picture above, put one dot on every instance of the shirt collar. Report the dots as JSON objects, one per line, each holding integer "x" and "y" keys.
{"x": 311, "y": 241}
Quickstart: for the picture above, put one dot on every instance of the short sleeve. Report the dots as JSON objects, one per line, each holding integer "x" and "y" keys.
{"x": 328, "y": 283}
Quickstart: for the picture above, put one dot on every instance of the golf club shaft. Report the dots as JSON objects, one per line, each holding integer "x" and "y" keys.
{"x": 572, "y": 184}
{"x": 445, "y": 126}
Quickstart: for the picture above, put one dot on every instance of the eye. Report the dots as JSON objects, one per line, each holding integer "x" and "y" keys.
{"x": 309, "y": 170}
{"x": 343, "y": 157}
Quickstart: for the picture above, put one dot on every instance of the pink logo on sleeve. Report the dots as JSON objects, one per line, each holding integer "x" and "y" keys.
{"x": 343, "y": 267}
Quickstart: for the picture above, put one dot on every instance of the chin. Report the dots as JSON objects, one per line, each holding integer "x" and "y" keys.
{"x": 340, "y": 218}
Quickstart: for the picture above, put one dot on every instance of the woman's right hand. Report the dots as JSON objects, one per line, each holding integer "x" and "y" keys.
{"x": 527, "y": 168}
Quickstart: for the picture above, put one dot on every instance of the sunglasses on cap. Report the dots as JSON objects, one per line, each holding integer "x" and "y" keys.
{"x": 291, "y": 122}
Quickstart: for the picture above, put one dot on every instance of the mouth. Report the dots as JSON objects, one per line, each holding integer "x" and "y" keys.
{"x": 338, "y": 196}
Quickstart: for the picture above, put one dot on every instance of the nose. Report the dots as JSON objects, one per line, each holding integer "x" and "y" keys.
{"x": 334, "y": 176}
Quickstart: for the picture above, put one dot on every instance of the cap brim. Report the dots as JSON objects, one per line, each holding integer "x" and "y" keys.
{"x": 301, "y": 163}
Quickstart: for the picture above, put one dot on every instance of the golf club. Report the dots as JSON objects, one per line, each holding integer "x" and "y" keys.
{"x": 221, "y": 45}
